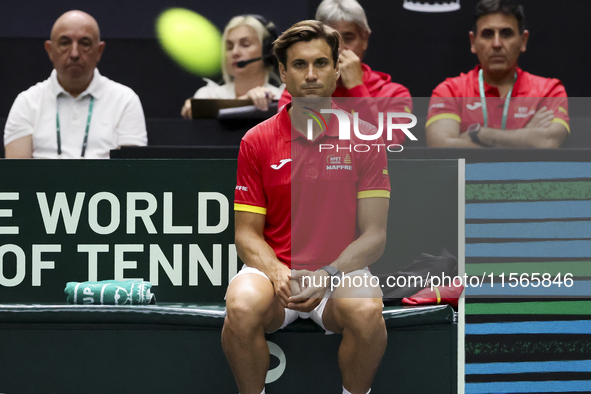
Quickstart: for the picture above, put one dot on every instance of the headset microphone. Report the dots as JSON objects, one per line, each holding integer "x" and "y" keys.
{"x": 244, "y": 63}
{"x": 268, "y": 57}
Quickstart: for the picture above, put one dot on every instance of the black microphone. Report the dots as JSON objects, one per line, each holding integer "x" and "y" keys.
{"x": 244, "y": 63}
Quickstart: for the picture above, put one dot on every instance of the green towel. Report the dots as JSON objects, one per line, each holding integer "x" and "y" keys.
{"x": 110, "y": 292}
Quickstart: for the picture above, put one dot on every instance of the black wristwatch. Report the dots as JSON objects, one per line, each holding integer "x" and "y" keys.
{"x": 332, "y": 271}
{"x": 473, "y": 131}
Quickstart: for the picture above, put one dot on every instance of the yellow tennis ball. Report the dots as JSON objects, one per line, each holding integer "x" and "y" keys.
{"x": 191, "y": 40}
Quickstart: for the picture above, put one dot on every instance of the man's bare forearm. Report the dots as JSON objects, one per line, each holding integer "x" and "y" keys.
{"x": 369, "y": 247}
{"x": 255, "y": 252}
{"x": 445, "y": 133}
{"x": 361, "y": 253}
{"x": 533, "y": 137}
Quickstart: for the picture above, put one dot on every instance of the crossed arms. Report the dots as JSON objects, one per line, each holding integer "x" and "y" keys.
{"x": 540, "y": 132}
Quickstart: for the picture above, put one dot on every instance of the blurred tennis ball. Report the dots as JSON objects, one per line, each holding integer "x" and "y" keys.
{"x": 191, "y": 40}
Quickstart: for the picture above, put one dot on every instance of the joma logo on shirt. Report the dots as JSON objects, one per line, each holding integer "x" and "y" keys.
{"x": 281, "y": 164}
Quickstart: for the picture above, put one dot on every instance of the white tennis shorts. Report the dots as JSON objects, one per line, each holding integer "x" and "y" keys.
{"x": 290, "y": 314}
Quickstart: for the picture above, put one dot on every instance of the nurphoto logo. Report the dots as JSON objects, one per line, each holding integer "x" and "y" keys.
{"x": 345, "y": 129}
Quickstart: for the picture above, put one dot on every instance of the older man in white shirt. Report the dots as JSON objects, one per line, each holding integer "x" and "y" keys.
{"x": 77, "y": 112}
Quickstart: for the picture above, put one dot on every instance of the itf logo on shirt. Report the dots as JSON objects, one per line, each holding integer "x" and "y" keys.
{"x": 337, "y": 163}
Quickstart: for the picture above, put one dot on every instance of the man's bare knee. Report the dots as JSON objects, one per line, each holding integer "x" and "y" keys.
{"x": 362, "y": 316}
{"x": 251, "y": 306}
{"x": 248, "y": 305}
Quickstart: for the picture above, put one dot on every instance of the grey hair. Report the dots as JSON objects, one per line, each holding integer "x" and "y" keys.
{"x": 342, "y": 10}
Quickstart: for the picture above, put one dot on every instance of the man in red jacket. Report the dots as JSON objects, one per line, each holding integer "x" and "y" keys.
{"x": 357, "y": 79}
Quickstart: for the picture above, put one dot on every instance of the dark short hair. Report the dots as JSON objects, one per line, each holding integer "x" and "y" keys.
{"x": 506, "y": 7}
{"x": 306, "y": 31}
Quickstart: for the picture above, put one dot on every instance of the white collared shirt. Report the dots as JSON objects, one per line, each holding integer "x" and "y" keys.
{"x": 117, "y": 119}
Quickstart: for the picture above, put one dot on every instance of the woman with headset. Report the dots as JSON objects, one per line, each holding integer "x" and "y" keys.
{"x": 247, "y": 64}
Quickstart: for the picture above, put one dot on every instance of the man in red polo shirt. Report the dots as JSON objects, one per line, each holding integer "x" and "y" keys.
{"x": 357, "y": 79}
{"x": 303, "y": 204}
{"x": 497, "y": 104}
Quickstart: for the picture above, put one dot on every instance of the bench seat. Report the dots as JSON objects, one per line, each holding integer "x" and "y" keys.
{"x": 203, "y": 315}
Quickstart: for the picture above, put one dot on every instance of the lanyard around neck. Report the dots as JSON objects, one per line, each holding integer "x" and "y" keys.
{"x": 58, "y": 131}
{"x": 483, "y": 101}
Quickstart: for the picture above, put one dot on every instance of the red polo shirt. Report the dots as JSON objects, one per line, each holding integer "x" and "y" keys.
{"x": 459, "y": 99}
{"x": 309, "y": 195}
